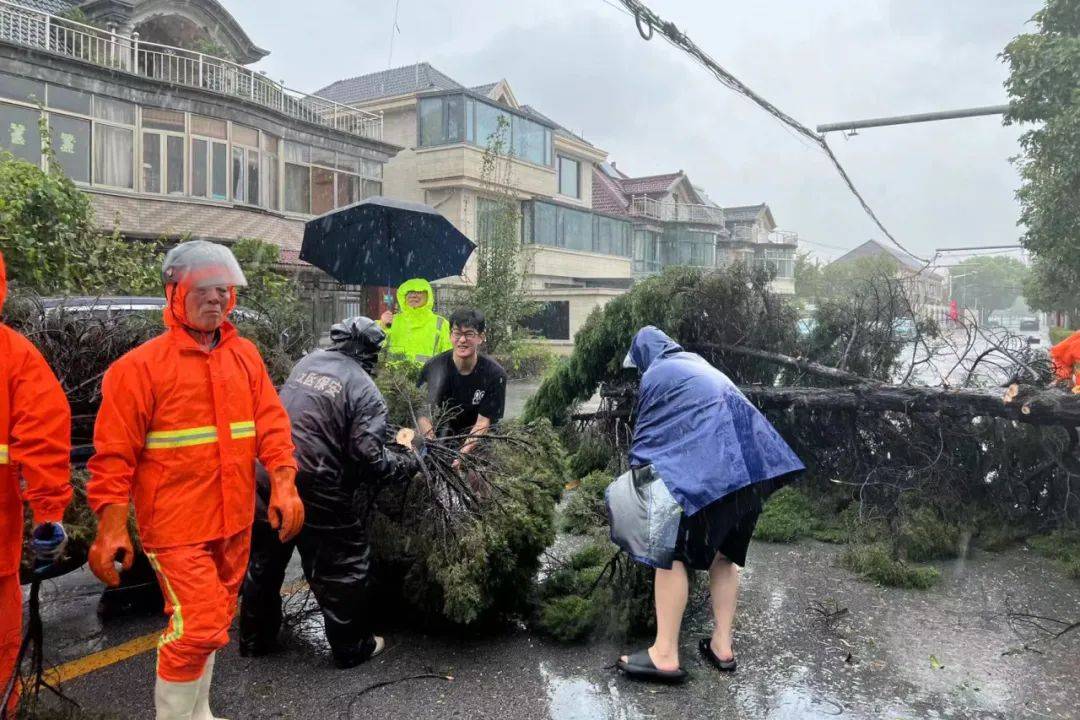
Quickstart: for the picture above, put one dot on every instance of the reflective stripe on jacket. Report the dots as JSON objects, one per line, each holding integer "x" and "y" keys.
{"x": 178, "y": 433}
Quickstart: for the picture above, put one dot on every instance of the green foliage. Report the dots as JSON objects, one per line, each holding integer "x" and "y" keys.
{"x": 1063, "y": 546}
{"x": 488, "y": 570}
{"x": 1057, "y": 334}
{"x": 526, "y": 360}
{"x": 924, "y": 534}
{"x": 282, "y": 327}
{"x": 585, "y": 511}
{"x": 51, "y": 243}
{"x": 570, "y": 618}
{"x": 787, "y": 516}
{"x": 874, "y": 562}
{"x": 808, "y": 276}
{"x": 692, "y": 306}
{"x": 989, "y": 282}
{"x": 396, "y": 381}
{"x": 594, "y": 452}
{"x": 1044, "y": 70}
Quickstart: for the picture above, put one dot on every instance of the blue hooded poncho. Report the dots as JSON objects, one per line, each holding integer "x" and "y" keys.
{"x": 697, "y": 430}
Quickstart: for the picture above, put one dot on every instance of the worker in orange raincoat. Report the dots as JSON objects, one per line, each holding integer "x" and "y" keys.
{"x": 35, "y": 445}
{"x": 1066, "y": 357}
{"x": 183, "y": 419}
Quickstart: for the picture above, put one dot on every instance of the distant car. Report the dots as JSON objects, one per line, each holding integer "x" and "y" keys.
{"x": 1029, "y": 323}
{"x": 108, "y": 305}
{"x": 905, "y": 328}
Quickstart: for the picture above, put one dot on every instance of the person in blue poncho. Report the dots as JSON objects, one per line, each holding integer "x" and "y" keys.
{"x": 719, "y": 458}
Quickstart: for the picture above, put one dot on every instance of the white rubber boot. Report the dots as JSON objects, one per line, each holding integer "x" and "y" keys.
{"x": 175, "y": 700}
{"x": 202, "y": 702}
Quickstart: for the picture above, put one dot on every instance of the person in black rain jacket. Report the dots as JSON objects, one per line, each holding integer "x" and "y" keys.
{"x": 339, "y": 428}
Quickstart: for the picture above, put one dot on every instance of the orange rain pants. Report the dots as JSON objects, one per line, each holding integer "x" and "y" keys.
{"x": 201, "y": 583}
{"x": 35, "y": 449}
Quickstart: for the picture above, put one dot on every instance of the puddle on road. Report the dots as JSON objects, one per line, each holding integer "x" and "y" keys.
{"x": 575, "y": 698}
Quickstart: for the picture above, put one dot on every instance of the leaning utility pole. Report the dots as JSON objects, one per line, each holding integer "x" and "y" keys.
{"x": 918, "y": 118}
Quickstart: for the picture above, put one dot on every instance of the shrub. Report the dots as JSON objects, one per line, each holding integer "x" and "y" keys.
{"x": 924, "y": 535}
{"x": 594, "y": 453}
{"x": 786, "y": 517}
{"x": 569, "y": 618}
{"x": 1062, "y": 546}
{"x": 876, "y": 563}
{"x": 585, "y": 511}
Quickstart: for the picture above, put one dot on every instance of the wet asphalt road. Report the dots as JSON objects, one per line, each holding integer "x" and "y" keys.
{"x": 875, "y": 663}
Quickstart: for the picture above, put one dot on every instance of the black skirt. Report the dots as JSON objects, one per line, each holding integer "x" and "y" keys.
{"x": 724, "y": 526}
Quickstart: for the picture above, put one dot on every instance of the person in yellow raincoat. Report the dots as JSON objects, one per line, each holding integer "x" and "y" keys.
{"x": 416, "y": 333}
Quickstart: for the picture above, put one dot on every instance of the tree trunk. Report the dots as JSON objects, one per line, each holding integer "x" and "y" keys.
{"x": 801, "y": 364}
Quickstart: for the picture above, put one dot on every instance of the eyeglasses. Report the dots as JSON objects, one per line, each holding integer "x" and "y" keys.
{"x": 469, "y": 335}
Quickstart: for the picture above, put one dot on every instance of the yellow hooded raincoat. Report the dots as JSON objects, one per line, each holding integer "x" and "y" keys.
{"x": 417, "y": 334}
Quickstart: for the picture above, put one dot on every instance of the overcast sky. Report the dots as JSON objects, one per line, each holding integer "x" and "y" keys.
{"x": 653, "y": 109}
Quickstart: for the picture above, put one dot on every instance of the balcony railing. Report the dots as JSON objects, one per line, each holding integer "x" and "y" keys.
{"x": 744, "y": 233}
{"x": 103, "y": 48}
{"x": 645, "y": 206}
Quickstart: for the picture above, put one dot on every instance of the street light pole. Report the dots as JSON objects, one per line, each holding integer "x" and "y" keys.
{"x": 916, "y": 118}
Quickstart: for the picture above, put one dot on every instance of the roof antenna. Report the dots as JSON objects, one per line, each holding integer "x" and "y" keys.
{"x": 394, "y": 29}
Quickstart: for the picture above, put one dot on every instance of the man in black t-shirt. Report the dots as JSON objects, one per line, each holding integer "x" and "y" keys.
{"x": 468, "y": 386}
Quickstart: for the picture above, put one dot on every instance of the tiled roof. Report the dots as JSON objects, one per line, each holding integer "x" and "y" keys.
{"x": 536, "y": 114}
{"x": 873, "y": 248}
{"x": 291, "y": 258}
{"x": 55, "y": 7}
{"x": 484, "y": 89}
{"x": 649, "y": 184}
{"x": 388, "y": 83}
{"x": 607, "y": 195}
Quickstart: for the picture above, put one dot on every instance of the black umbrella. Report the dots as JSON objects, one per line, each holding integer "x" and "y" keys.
{"x": 380, "y": 241}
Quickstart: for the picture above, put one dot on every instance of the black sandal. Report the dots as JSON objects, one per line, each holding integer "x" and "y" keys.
{"x": 639, "y": 666}
{"x": 705, "y": 647}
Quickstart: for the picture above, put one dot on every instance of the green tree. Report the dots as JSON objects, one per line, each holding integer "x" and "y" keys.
{"x": 808, "y": 273}
{"x": 502, "y": 260}
{"x": 988, "y": 283}
{"x": 1042, "y": 86}
{"x": 51, "y": 242}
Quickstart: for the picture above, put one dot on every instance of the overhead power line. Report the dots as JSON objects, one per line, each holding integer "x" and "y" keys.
{"x": 648, "y": 23}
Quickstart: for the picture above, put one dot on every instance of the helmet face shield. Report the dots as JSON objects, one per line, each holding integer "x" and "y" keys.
{"x": 200, "y": 264}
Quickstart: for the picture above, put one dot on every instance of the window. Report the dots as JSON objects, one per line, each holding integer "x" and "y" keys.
{"x": 569, "y": 177}
{"x": 219, "y": 173}
{"x": 19, "y": 133}
{"x": 646, "y": 251}
{"x": 576, "y": 230}
{"x": 158, "y": 119}
{"x": 116, "y": 111}
{"x": 253, "y": 197}
{"x": 75, "y": 101}
{"x": 487, "y": 124}
{"x": 348, "y": 189}
{"x": 151, "y": 162}
{"x": 372, "y": 188}
{"x": 114, "y": 153}
{"x": 297, "y": 189}
{"x": 530, "y": 141}
{"x": 238, "y": 167}
{"x": 551, "y": 322}
{"x": 322, "y": 191}
{"x": 21, "y": 88}
{"x": 174, "y": 175}
{"x": 200, "y": 162}
{"x": 442, "y": 120}
{"x": 270, "y": 176}
{"x": 209, "y": 127}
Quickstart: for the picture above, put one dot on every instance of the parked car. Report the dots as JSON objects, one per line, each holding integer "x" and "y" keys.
{"x": 1029, "y": 323}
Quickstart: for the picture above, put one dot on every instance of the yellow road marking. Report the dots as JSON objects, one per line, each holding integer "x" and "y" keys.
{"x": 124, "y": 651}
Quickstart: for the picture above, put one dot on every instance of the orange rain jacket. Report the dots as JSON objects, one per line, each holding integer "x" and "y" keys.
{"x": 1066, "y": 355}
{"x": 179, "y": 430}
{"x": 35, "y": 440}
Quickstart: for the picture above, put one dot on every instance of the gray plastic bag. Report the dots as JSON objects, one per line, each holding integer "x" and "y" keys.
{"x": 644, "y": 517}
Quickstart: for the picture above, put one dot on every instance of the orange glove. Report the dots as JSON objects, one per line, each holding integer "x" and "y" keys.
{"x": 111, "y": 544}
{"x": 286, "y": 510}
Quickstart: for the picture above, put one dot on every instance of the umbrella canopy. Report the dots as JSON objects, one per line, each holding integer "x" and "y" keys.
{"x": 380, "y": 241}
